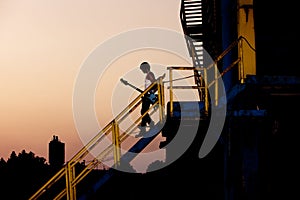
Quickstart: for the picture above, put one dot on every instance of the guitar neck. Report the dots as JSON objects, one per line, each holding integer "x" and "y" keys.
{"x": 138, "y": 89}
{"x": 126, "y": 83}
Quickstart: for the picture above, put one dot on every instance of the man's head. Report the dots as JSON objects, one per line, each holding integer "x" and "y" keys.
{"x": 145, "y": 67}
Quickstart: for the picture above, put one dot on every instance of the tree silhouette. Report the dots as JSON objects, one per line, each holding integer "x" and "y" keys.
{"x": 23, "y": 174}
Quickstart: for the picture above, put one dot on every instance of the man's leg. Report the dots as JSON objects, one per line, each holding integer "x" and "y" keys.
{"x": 145, "y": 106}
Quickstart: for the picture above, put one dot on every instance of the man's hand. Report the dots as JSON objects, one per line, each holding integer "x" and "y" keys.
{"x": 162, "y": 76}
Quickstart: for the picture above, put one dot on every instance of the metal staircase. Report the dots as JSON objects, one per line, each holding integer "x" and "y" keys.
{"x": 68, "y": 178}
{"x": 198, "y": 33}
{"x": 191, "y": 21}
{"x": 64, "y": 183}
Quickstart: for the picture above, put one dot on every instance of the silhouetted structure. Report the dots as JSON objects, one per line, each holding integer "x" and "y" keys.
{"x": 56, "y": 152}
{"x": 254, "y": 157}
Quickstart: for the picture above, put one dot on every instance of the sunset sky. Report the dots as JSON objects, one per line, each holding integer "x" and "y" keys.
{"x": 43, "y": 47}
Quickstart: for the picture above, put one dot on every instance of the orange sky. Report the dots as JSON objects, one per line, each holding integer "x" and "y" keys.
{"x": 43, "y": 46}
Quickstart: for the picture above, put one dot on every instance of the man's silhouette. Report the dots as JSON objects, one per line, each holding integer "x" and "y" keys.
{"x": 149, "y": 79}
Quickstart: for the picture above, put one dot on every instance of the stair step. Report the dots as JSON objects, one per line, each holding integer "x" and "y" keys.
{"x": 193, "y": 17}
{"x": 195, "y": 29}
{"x": 192, "y": 5}
{"x": 189, "y": 14}
{"x": 191, "y": 2}
{"x": 193, "y": 9}
{"x": 193, "y": 13}
{"x": 194, "y": 21}
{"x": 196, "y": 37}
{"x": 198, "y": 45}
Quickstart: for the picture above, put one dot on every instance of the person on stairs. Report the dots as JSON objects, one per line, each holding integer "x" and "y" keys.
{"x": 149, "y": 79}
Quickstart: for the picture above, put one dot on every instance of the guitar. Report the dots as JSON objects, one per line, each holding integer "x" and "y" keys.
{"x": 151, "y": 97}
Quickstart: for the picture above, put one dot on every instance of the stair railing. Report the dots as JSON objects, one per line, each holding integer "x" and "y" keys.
{"x": 68, "y": 170}
{"x": 211, "y": 75}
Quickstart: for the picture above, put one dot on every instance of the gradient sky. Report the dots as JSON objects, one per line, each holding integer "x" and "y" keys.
{"x": 43, "y": 45}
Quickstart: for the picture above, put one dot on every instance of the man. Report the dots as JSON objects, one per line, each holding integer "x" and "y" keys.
{"x": 149, "y": 79}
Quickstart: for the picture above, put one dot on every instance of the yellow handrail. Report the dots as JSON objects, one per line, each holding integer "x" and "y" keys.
{"x": 68, "y": 171}
{"x": 209, "y": 83}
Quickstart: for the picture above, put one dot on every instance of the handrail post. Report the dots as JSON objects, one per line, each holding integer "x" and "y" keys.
{"x": 70, "y": 176}
{"x": 171, "y": 91}
{"x": 116, "y": 141}
{"x": 216, "y": 84}
{"x": 241, "y": 66}
{"x": 160, "y": 99}
{"x": 205, "y": 90}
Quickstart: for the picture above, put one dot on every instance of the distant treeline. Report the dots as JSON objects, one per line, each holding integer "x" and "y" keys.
{"x": 23, "y": 174}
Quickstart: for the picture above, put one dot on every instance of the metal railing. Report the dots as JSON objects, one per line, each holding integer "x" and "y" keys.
{"x": 68, "y": 171}
{"x": 211, "y": 75}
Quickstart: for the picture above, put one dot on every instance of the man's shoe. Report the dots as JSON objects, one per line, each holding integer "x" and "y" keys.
{"x": 151, "y": 123}
{"x": 142, "y": 128}
{"x": 142, "y": 131}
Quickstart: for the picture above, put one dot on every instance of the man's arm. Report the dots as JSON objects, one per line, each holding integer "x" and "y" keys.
{"x": 151, "y": 77}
